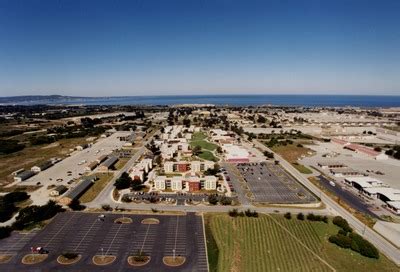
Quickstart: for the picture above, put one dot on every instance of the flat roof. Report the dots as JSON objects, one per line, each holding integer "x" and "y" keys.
{"x": 394, "y": 204}
{"x": 390, "y": 193}
{"x": 366, "y": 182}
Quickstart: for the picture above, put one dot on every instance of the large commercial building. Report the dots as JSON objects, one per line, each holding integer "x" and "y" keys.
{"x": 235, "y": 153}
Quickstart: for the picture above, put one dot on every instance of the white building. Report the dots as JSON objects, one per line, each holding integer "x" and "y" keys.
{"x": 176, "y": 184}
{"x": 159, "y": 183}
{"x": 235, "y": 153}
{"x": 210, "y": 182}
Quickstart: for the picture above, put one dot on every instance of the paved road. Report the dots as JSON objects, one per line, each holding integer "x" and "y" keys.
{"x": 383, "y": 245}
{"x": 346, "y": 196}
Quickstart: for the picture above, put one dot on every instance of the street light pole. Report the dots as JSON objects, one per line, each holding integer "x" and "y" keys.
{"x": 173, "y": 253}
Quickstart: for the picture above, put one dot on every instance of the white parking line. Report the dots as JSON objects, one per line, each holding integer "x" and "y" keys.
{"x": 84, "y": 236}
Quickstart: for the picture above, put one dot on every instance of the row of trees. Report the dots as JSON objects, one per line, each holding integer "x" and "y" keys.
{"x": 310, "y": 217}
{"x": 248, "y": 213}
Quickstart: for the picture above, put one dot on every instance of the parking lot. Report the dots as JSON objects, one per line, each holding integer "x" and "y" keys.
{"x": 269, "y": 183}
{"x": 89, "y": 235}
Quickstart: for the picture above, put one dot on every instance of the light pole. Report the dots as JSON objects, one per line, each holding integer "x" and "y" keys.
{"x": 102, "y": 253}
{"x": 173, "y": 251}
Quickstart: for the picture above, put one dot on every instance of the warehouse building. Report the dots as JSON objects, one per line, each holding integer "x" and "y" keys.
{"x": 78, "y": 191}
{"x": 42, "y": 166}
{"x": 59, "y": 190}
{"x": 108, "y": 164}
{"x": 24, "y": 175}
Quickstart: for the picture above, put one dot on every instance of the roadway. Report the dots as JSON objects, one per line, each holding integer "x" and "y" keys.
{"x": 105, "y": 196}
{"x": 381, "y": 243}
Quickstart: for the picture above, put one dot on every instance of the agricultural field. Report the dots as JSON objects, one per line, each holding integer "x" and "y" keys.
{"x": 273, "y": 243}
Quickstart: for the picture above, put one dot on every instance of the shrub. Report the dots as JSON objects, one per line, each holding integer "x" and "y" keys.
{"x": 288, "y": 215}
{"x": 300, "y": 216}
{"x": 5, "y": 232}
{"x": 69, "y": 255}
{"x": 225, "y": 201}
{"x": 233, "y": 213}
{"x": 106, "y": 207}
{"x": 341, "y": 240}
{"x": 75, "y": 205}
{"x": 342, "y": 223}
{"x": 213, "y": 199}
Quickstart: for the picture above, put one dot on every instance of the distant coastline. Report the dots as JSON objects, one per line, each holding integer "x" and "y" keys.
{"x": 235, "y": 100}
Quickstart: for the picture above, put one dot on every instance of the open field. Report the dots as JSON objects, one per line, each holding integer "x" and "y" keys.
{"x": 292, "y": 153}
{"x": 273, "y": 243}
{"x": 97, "y": 187}
{"x": 31, "y": 156}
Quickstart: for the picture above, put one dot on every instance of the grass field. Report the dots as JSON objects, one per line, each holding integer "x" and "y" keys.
{"x": 121, "y": 163}
{"x": 291, "y": 153}
{"x": 97, "y": 187}
{"x": 204, "y": 145}
{"x": 273, "y": 243}
{"x": 207, "y": 155}
{"x": 301, "y": 168}
{"x": 198, "y": 136}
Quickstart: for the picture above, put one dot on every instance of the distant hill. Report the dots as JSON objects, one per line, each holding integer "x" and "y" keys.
{"x": 38, "y": 98}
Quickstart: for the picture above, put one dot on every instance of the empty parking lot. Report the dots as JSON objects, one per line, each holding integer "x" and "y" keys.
{"x": 269, "y": 183}
{"x": 86, "y": 234}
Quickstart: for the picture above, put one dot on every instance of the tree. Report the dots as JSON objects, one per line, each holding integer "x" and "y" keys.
{"x": 196, "y": 150}
{"x": 137, "y": 185}
{"x": 288, "y": 215}
{"x": 213, "y": 199}
{"x": 300, "y": 216}
{"x": 76, "y": 205}
{"x": 123, "y": 182}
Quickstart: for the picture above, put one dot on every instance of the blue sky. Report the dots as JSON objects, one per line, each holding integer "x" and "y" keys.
{"x": 147, "y": 47}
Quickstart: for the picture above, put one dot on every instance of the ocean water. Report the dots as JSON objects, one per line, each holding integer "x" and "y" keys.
{"x": 243, "y": 100}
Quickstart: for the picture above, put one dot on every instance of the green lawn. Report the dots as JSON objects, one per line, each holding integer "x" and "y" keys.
{"x": 207, "y": 155}
{"x": 198, "y": 136}
{"x": 273, "y": 243}
{"x": 204, "y": 145}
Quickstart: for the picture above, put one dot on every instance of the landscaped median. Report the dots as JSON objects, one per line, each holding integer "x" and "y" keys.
{"x": 103, "y": 259}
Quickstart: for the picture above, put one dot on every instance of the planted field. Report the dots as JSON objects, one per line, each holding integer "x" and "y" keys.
{"x": 273, "y": 243}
